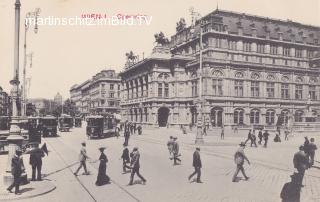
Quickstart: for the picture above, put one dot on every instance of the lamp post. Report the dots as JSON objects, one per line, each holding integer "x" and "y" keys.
{"x": 200, "y": 101}
{"x": 29, "y": 16}
{"x": 14, "y": 139}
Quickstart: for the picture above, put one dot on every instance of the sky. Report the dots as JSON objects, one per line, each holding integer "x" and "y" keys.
{"x": 68, "y": 55}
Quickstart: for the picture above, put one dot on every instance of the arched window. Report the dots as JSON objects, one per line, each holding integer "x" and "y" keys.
{"x": 270, "y": 115}
{"x": 284, "y": 116}
{"x": 254, "y": 116}
{"x": 298, "y": 116}
{"x": 238, "y": 116}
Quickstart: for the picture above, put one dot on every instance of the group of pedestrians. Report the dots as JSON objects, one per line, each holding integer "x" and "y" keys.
{"x": 102, "y": 178}
{"x": 18, "y": 168}
{"x": 263, "y": 136}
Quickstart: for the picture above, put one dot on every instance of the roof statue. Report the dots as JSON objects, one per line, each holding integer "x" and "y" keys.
{"x": 161, "y": 39}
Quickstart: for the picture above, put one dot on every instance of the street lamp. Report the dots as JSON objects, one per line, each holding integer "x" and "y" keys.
{"x": 14, "y": 139}
{"x": 29, "y": 16}
{"x": 200, "y": 101}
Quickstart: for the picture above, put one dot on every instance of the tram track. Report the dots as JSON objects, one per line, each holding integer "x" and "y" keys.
{"x": 96, "y": 168}
{"x": 189, "y": 148}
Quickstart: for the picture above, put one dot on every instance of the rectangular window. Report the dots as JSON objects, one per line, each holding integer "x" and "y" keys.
{"x": 166, "y": 90}
{"x": 273, "y": 50}
{"x": 285, "y": 91}
{"x": 270, "y": 90}
{"x": 194, "y": 88}
{"x": 159, "y": 89}
{"x": 247, "y": 47}
{"x": 111, "y": 95}
{"x": 286, "y": 51}
{"x": 260, "y": 48}
{"x": 217, "y": 87}
{"x": 218, "y": 42}
{"x": 111, "y": 86}
{"x": 298, "y": 92}
{"x": 232, "y": 45}
{"x": 298, "y": 53}
{"x": 312, "y": 92}
{"x": 254, "y": 88}
{"x": 238, "y": 88}
{"x": 310, "y": 53}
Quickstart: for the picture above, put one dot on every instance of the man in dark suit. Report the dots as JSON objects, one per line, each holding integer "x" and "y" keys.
{"x": 239, "y": 158}
{"x": 17, "y": 168}
{"x": 36, "y": 161}
{"x": 135, "y": 165}
{"x": 197, "y": 165}
{"x": 265, "y": 137}
{"x": 301, "y": 163}
{"x": 125, "y": 159}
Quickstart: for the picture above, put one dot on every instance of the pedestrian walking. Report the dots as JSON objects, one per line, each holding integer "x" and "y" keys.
{"x": 286, "y": 134}
{"x": 239, "y": 158}
{"x": 222, "y": 133}
{"x": 249, "y": 137}
{"x": 253, "y": 140}
{"x": 300, "y": 162}
{"x": 175, "y": 150}
{"x": 312, "y": 149}
{"x": 102, "y": 177}
{"x": 266, "y": 138}
{"x": 82, "y": 158}
{"x": 125, "y": 159}
{"x": 235, "y": 129}
{"x": 127, "y": 135}
{"x": 306, "y": 147}
{"x": 139, "y": 128}
{"x": 170, "y": 146}
{"x": 134, "y": 128}
{"x": 291, "y": 190}
{"x": 17, "y": 168}
{"x": 135, "y": 165}
{"x": 197, "y": 165}
{"x": 260, "y": 136}
{"x": 35, "y": 160}
{"x": 204, "y": 130}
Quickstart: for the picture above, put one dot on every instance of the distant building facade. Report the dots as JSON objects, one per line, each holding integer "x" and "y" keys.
{"x": 255, "y": 70}
{"x": 58, "y": 99}
{"x": 5, "y": 106}
{"x": 100, "y": 94}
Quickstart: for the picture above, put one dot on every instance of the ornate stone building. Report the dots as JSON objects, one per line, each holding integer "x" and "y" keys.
{"x": 99, "y": 94}
{"x": 254, "y": 70}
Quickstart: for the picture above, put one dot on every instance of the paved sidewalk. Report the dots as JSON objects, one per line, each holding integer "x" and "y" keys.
{"x": 30, "y": 190}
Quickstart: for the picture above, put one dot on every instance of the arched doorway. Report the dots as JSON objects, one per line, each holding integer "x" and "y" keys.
{"x": 193, "y": 111}
{"x": 163, "y": 114}
{"x": 216, "y": 116}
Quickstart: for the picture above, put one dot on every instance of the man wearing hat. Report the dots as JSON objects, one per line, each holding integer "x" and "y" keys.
{"x": 135, "y": 165}
{"x": 17, "y": 168}
{"x": 82, "y": 158}
{"x": 36, "y": 155}
{"x": 175, "y": 150}
{"x": 170, "y": 145}
{"x": 301, "y": 163}
{"x": 239, "y": 158}
{"x": 291, "y": 190}
{"x": 197, "y": 165}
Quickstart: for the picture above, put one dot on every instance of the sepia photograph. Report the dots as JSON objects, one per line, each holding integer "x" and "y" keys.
{"x": 160, "y": 101}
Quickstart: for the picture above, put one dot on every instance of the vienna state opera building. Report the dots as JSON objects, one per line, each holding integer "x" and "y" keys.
{"x": 255, "y": 70}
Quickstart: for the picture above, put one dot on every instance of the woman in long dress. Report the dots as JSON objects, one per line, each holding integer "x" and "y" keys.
{"x": 102, "y": 177}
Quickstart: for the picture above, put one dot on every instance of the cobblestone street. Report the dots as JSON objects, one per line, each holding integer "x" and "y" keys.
{"x": 271, "y": 167}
